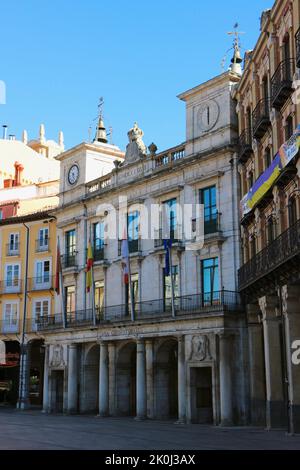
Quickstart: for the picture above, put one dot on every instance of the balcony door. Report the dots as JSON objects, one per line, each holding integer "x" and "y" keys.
{"x": 70, "y": 243}
{"x": 14, "y": 242}
{"x": 43, "y": 240}
{"x": 210, "y": 281}
{"x": 11, "y": 317}
{"x": 209, "y": 200}
{"x": 12, "y": 274}
{"x": 42, "y": 270}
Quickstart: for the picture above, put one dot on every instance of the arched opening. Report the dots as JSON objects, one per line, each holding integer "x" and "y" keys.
{"x": 9, "y": 372}
{"x": 166, "y": 380}
{"x": 36, "y": 372}
{"x": 89, "y": 399}
{"x": 126, "y": 380}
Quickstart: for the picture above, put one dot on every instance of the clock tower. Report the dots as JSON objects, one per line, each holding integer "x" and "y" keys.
{"x": 85, "y": 162}
{"x": 206, "y": 126}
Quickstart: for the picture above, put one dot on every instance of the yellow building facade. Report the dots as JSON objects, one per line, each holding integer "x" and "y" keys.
{"x": 27, "y": 291}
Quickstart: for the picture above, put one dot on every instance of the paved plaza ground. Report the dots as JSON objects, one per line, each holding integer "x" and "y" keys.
{"x": 34, "y": 430}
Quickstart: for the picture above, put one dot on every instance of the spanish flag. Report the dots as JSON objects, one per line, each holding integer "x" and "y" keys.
{"x": 89, "y": 267}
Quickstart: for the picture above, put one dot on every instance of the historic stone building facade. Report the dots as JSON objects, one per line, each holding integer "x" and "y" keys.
{"x": 186, "y": 362}
{"x": 269, "y": 118}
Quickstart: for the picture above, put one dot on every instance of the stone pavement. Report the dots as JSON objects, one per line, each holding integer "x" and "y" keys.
{"x": 34, "y": 430}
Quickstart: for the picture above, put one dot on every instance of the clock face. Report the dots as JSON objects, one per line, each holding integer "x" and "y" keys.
{"x": 73, "y": 174}
{"x": 208, "y": 115}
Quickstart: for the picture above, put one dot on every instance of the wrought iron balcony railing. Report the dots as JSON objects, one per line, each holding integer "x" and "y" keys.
{"x": 245, "y": 145}
{"x": 134, "y": 246}
{"x": 11, "y": 286}
{"x": 69, "y": 260}
{"x": 42, "y": 245}
{"x": 282, "y": 83}
{"x": 277, "y": 253}
{"x": 212, "y": 224}
{"x": 174, "y": 235}
{"x": 298, "y": 48}
{"x": 43, "y": 282}
{"x": 261, "y": 118}
{"x": 13, "y": 249}
{"x": 10, "y": 326}
{"x": 220, "y": 301}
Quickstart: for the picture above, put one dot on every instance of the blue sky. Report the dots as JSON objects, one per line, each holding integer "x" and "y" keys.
{"x": 58, "y": 57}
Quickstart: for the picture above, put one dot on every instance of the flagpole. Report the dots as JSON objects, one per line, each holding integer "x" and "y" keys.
{"x": 93, "y": 282}
{"x": 61, "y": 286}
{"x": 130, "y": 286}
{"x": 172, "y": 280}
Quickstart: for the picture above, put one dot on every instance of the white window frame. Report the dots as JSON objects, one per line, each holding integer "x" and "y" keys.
{"x": 15, "y": 245}
{"x": 43, "y": 242}
{"x": 43, "y": 284}
{"x": 13, "y": 288}
{"x": 9, "y": 327}
{"x": 34, "y": 316}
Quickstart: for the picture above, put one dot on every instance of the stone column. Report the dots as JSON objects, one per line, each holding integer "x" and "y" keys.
{"x": 150, "y": 378}
{"x": 112, "y": 378}
{"x": 225, "y": 379}
{"x": 181, "y": 381}
{"x": 291, "y": 312}
{"x": 103, "y": 380}
{"x": 46, "y": 404}
{"x": 23, "y": 400}
{"x": 72, "y": 379}
{"x": 141, "y": 400}
{"x": 275, "y": 407}
{"x": 256, "y": 367}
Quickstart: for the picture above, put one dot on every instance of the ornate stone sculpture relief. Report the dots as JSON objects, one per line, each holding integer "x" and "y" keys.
{"x": 57, "y": 356}
{"x": 200, "y": 349}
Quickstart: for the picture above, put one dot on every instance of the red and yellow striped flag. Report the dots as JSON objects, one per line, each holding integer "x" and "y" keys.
{"x": 89, "y": 267}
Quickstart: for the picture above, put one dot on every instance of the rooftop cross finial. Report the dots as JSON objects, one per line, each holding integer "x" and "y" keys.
{"x": 236, "y": 60}
{"x": 236, "y": 34}
{"x": 100, "y": 107}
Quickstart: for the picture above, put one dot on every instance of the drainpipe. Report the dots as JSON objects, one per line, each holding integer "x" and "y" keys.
{"x": 23, "y": 399}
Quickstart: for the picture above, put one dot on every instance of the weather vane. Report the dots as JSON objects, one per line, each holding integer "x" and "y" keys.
{"x": 236, "y": 43}
{"x": 236, "y": 34}
{"x": 100, "y": 107}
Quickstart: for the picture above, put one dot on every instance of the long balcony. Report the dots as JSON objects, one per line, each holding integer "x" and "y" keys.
{"x": 12, "y": 326}
{"x": 261, "y": 118}
{"x": 190, "y": 305}
{"x": 11, "y": 286}
{"x": 42, "y": 245}
{"x": 43, "y": 282}
{"x": 282, "y": 83}
{"x": 245, "y": 145}
{"x": 297, "y": 37}
{"x": 134, "y": 246}
{"x": 267, "y": 262}
{"x": 69, "y": 260}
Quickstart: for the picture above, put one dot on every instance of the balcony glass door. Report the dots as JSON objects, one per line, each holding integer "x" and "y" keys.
{"x": 10, "y": 317}
{"x": 208, "y": 197}
{"x": 210, "y": 281}
{"x": 42, "y": 273}
{"x": 43, "y": 240}
{"x": 12, "y": 277}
